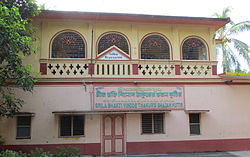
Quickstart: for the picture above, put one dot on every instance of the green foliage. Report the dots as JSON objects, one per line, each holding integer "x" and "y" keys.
{"x": 67, "y": 152}
{"x": 27, "y": 8}
{"x": 230, "y": 46}
{"x": 38, "y": 152}
{"x": 16, "y": 41}
{"x": 241, "y": 71}
{"x": 10, "y": 153}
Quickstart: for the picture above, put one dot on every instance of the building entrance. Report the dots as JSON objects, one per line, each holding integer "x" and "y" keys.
{"x": 113, "y": 134}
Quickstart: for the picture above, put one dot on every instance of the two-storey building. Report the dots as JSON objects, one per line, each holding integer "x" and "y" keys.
{"x": 129, "y": 84}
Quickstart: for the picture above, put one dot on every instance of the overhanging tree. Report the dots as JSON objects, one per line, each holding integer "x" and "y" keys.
{"x": 230, "y": 46}
{"x": 16, "y": 42}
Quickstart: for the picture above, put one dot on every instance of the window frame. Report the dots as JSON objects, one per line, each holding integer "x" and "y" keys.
{"x": 72, "y": 126}
{"x": 193, "y": 124}
{"x": 152, "y": 125}
{"x": 205, "y": 44}
{"x": 112, "y": 32}
{"x": 163, "y": 36}
{"x": 23, "y": 126}
{"x": 64, "y": 31}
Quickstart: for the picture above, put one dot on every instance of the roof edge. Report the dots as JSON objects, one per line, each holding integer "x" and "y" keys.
{"x": 107, "y": 16}
{"x": 234, "y": 76}
{"x": 132, "y": 14}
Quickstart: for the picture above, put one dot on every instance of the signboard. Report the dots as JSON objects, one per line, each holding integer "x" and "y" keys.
{"x": 138, "y": 98}
{"x": 113, "y": 55}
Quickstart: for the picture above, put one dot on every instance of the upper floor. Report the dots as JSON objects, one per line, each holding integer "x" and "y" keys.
{"x": 109, "y": 46}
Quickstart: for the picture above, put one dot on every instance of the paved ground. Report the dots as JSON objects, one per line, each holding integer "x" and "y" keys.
{"x": 207, "y": 154}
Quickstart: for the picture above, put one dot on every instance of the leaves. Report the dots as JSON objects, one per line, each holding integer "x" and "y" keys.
{"x": 11, "y": 153}
{"x": 9, "y": 103}
{"x": 242, "y": 48}
{"x": 39, "y": 152}
{"x": 27, "y": 8}
{"x": 67, "y": 152}
{"x": 225, "y": 13}
{"x": 231, "y": 47}
{"x": 16, "y": 41}
{"x": 239, "y": 27}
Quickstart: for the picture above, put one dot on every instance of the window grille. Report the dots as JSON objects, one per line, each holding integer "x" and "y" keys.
{"x": 194, "y": 49}
{"x": 66, "y": 125}
{"x": 152, "y": 123}
{"x": 194, "y": 123}
{"x": 113, "y": 39}
{"x": 23, "y": 127}
{"x": 72, "y": 125}
{"x": 155, "y": 47}
{"x": 68, "y": 45}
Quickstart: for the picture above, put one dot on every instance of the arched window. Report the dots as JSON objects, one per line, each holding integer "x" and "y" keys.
{"x": 68, "y": 45}
{"x": 113, "y": 39}
{"x": 155, "y": 47}
{"x": 194, "y": 49}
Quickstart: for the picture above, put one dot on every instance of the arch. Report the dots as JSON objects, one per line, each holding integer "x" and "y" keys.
{"x": 155, "y": 46}
{"x": 68, "y": 44}
{"x": 194, "y": 48}
{"x": 109, "y": 39}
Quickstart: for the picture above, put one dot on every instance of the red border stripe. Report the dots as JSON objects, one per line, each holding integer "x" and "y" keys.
{"x": 136, "y": 148}
{"x": 214, "y": 69}
{"x": 145, "y": 83}
{"x": 91, "y": 68}
{"x": 155, "y": 147}
{"x": 43, "y": 68}
{"x": 135, "y": 69}
{"x": 177, "y": 70}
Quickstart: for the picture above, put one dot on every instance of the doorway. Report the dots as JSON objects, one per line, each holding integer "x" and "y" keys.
{"x": 113, "y": 134}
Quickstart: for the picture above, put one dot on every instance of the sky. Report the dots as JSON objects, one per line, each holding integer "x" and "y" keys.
{"x": 194, "y": 8}
{"x": 200, "y": 8}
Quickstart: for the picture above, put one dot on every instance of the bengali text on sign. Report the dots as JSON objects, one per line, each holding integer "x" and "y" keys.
{"x": 138, "y": 98}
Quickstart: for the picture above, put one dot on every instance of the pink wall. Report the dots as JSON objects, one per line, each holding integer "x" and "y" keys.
{"x": 228, "y": 118}
{"x": 43, "y": 101}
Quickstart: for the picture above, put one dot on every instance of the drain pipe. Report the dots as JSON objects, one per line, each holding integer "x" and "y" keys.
{"x": 91, "y": 57}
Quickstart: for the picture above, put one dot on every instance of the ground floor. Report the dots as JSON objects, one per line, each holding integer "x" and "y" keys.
{"x": 144, "y": 148}
{"x": 132, "y": 119}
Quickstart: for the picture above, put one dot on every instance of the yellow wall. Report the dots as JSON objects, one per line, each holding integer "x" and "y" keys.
{"x": 133, "y": 31}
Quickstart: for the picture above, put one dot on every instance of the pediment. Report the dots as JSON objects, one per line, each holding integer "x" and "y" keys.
{"x": 113, "y": 53}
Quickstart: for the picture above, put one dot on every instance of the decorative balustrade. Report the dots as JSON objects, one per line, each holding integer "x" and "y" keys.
{"x": 56, "y": 68}
{"x": 112, "y": 69}
{"x": 63, "y": 69}
{"x": 156, "y": 69}
{"x": 140, "y": 69}
{"x": 190, "y": 70}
